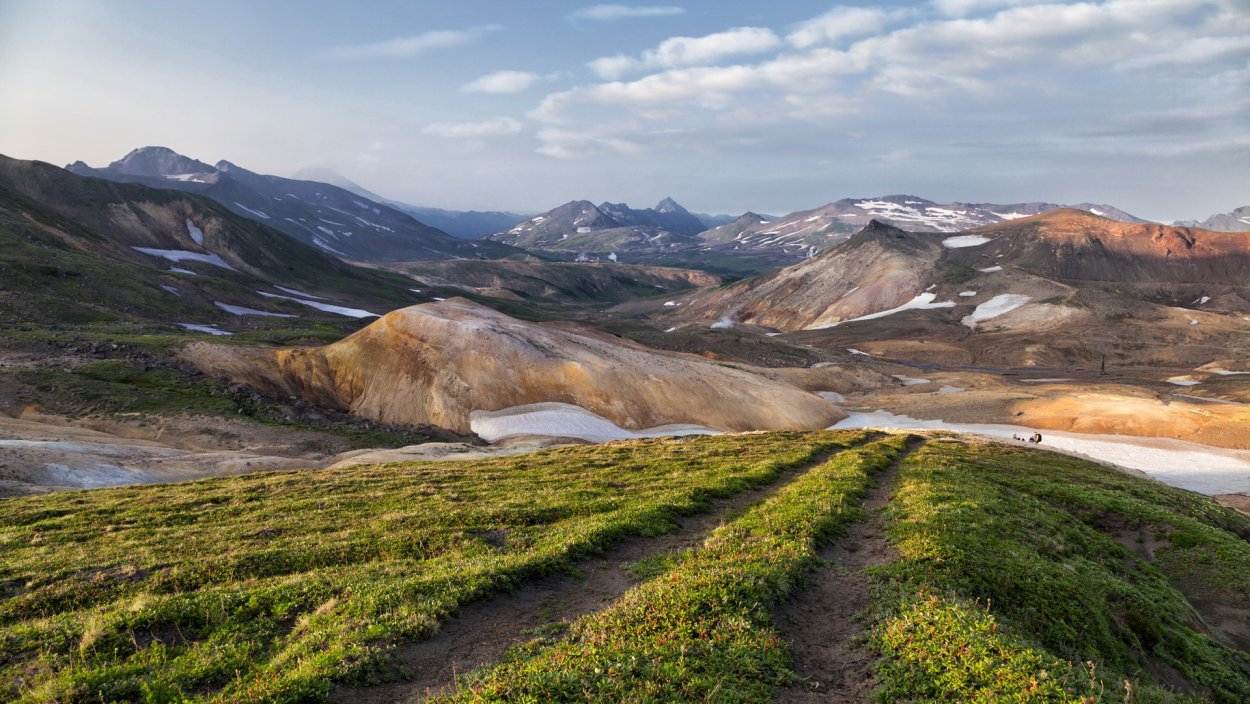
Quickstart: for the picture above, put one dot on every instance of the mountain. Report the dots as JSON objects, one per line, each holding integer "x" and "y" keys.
{"x": 581, "y": 226}
{"x": 1065, "y": 287}
{"x": 81, "y": 249}
{"x": 798, "y": 233}
{"x": 1236, "y": 221}
{"x": 326, "y": 216}
{"x": 439, "y": 363}
{"x": 880, "y": 267}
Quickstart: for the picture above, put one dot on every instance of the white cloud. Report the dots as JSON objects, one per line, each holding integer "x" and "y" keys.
{"x": 838, "y": 23}
{"x": 618, "y": 12}
{"x": 494, "y": 127}
{"x": 409, "y": 47}
{"x": 502, "y": 82}
{"x": 690, "y": 51}
{"x": 568, "y": 144}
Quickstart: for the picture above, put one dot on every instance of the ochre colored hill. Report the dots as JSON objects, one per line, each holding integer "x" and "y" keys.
{"x": 437, "y": 363}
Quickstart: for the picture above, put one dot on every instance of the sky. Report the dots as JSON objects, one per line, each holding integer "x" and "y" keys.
{"x": 725, "y": 105}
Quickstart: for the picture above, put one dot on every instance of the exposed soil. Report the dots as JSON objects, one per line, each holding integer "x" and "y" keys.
{"x": 482, "y": 632}
{"x": 824, "y": 622}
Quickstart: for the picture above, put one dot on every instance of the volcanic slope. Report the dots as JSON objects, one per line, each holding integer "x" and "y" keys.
{"x": 1042, "y": 291}
{"x": 333, "y": 219}
{"x": 582, "y": 227}
{"x": 80, "y": 249}
{"x": 438, "y": 363}
{"x": 298, "y": 585}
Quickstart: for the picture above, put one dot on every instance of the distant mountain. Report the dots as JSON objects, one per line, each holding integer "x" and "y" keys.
{"x": 1236, "y": 221}
{"x": 324, "y": 215}
{"x": 582, "y": 226}
{"x": 82, "y": 249}
{"x": 821, "y": 228}
{"x": 465, "y": 224}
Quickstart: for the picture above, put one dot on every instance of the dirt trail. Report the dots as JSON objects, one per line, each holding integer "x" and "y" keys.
{"x": 481, "y": 633}
{"x": 823, "y": 622}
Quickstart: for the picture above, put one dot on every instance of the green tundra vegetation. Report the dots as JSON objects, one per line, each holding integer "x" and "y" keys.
{"x": 1021, "y": 576}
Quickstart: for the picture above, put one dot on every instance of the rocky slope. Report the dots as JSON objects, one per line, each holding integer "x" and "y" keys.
{"x": 79, "y": 249}
{"x": 333, "y": 219}
{"x": 438, "y": 363}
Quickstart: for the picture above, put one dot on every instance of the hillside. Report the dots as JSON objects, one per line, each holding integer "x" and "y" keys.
{"x": 745, "y": 558}
{"x": 80, "y": 249}
{"x": 333, "y": 219}
{"x": 582, "y": 227}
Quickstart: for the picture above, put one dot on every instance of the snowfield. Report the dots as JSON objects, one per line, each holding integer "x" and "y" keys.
{"x": 923, "y": 301}
{"x": 180, "y": 255}
{"x": 210, "y": 329}
{"x": 240, "y": 310}
{"x": 996, "y": 306}
{"x": 339, "y": 310}
{"x": 565, "y": 420}
{"x": 197, "y": 235}
{"x": 965, "y": 241}
{"x": 1187, "y": 465}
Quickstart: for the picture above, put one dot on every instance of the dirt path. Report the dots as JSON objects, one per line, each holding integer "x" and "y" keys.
{"x": 482, "y": 632}
{"x": 823, "y": 623}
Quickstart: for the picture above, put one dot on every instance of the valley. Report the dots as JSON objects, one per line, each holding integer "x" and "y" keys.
{"x": 548, "y": 465}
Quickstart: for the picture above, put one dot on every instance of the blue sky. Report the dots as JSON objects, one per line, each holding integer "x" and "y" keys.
{"x": 724, "y": 105}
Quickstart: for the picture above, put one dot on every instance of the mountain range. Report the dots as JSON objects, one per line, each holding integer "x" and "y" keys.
{"x": 323, "y": 215}
{"x": 582, "y": 227}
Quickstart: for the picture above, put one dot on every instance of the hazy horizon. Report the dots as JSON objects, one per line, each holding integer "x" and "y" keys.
{"x": 1142, "y": 104}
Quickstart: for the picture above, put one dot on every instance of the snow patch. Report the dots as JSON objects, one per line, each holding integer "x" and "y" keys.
{"x": 996, "y": 306}
{"x": 1044, "y": 381}
{"x": 1187, "y": 465}
{"x": 967, "y": 294}
{"x": 1182, "y": 381}
{"x": 339, "y": 310}
{"x": 990, "y": 269}
{"x": 176, "y": 270}
{"x": 179, "y": 255}
{"x": 171, "y": 289}
{"x": 197, "y": 235}
{"x": 257, "y": 213}
{"x": 565, "y": 420}
{"x": 240, "y": 310}
{"x": 671, "y": 329}
{"x": 962, "y": 241}
{"x": 301, "y": 294}
{"x": 210, "y": 329}
{"x": 670, "y": 303}
{"x": 950, "y": 390}
{"x": 855, "y": 351}
{"x": 912, "y": 380}
{"x": 923, "y": 301}
{"x": 831, "y": 396}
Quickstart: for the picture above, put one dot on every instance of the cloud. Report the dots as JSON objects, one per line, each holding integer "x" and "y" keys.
{"x": 619, "y": 12}
{"x": 568, "y": 144}
{"x": 838, "y": 23}
{"x": 409, "y": 47}
{"x": 690, "y": 51}
{"x": 502, "y": 82}
{"x": 494, "y": 127}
